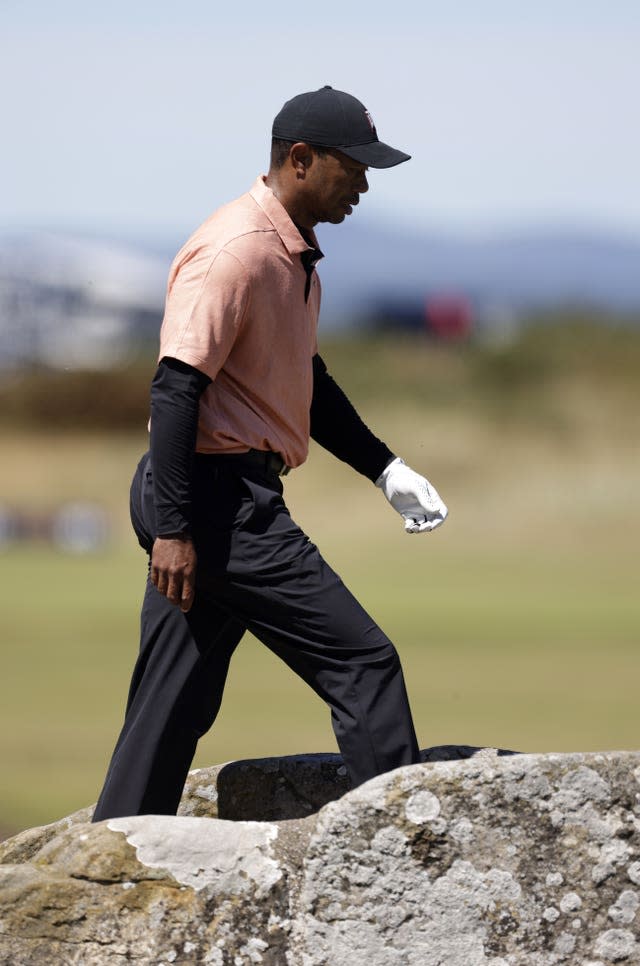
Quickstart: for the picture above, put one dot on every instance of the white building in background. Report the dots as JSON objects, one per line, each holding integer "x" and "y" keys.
{"x": 80, "y": 302}
{"x": 70, "y": 302}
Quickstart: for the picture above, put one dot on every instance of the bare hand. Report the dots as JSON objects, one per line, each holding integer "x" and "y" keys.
{"x": 173, "y": 570}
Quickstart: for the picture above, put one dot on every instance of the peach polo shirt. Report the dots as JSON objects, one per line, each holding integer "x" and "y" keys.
{"x": 236, "y": 310}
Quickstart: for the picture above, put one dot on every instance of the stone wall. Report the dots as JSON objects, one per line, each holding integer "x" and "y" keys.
{"x": 484, "y": 859}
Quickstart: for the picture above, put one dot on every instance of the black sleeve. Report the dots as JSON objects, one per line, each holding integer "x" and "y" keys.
{"x": 175, "y": 398}
{"x": 337, "y": 427}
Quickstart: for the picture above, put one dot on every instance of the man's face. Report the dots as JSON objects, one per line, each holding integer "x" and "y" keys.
{"x": 334, "y": 185}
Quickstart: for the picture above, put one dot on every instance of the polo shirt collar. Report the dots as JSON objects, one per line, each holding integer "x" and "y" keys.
{"x": 279, "y": 218}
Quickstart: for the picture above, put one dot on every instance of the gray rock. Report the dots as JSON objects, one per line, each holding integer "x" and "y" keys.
{"x": 487, "y": 860}
{"x": 390, "y": 879}
{"x": 294, "y": 786}
{"x": 272, "y": 789}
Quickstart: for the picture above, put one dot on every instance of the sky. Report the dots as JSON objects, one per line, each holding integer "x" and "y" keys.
{"x": 143, "y": 117}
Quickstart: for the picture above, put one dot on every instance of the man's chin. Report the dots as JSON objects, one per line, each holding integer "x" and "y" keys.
{"x": 335, "y": 219}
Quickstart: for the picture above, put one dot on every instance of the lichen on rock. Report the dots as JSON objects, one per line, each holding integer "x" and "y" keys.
{"x": 483, "y": 859}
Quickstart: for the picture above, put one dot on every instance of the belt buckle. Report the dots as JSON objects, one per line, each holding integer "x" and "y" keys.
{"x": 275, "y": 463}
{"x": 278, "y": 464}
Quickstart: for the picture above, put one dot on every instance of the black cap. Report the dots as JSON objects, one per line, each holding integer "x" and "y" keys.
{"x": 333, "y": 119}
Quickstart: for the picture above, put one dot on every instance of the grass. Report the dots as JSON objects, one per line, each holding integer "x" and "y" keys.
{"x": 517, "y": 622}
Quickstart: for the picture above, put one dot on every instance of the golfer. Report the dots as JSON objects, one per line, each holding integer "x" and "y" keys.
{"x": 239, "y": 390}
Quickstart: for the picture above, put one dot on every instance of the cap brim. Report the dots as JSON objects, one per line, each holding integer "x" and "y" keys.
{"x": 375, "y": 154}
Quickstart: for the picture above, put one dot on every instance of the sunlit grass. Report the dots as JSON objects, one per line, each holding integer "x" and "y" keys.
{"x": 518, "y": 622}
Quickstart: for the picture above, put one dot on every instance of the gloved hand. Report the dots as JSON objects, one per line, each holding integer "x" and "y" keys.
{"x": 413, "y": 497}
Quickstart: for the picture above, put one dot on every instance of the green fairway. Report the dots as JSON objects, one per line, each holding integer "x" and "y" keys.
{"x": 517, "y": 622}
{"x": 496, "y": 651}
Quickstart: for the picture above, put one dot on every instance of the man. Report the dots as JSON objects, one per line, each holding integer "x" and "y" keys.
{"x": 239, "y": 389}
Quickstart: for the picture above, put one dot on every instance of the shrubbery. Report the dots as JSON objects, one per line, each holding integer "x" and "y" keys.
{"x": 542, "y": 355}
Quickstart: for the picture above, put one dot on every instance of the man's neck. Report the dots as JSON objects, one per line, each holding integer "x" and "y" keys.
{"x": 290, "y": 201}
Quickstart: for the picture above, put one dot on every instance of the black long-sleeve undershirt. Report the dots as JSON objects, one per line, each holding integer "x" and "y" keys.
{"x": 337, "y": 427}
{"x": 175, "y": 398}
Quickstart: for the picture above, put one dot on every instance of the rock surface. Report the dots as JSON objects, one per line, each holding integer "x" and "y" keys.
{"x": 293, "y": 786}
{"x": 481, "y": 860}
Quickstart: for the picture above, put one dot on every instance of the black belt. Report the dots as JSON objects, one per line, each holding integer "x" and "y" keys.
{"x": 261, "y": 459}
{"x": 271, "y": 462}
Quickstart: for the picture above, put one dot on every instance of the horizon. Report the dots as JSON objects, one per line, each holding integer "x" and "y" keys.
{"x": 143, "y": 236}
{"x": 135, "y": 120}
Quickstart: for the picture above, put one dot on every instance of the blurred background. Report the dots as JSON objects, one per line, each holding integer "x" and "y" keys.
{"x": 481, "y": 308}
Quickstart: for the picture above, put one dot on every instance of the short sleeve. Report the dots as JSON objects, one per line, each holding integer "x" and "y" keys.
{"x": 207, "y": 301}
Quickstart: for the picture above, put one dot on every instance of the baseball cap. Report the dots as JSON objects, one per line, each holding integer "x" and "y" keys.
{"x": 334, "y": 119}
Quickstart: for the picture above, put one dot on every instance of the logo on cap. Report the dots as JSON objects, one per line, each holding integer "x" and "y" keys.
{"x": 370, "y": 120}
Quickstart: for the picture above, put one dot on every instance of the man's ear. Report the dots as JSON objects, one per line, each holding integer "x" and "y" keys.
{"x": 300, "y": 158}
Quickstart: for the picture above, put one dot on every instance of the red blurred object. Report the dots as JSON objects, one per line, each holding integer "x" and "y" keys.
{"x": 448, "y": 317}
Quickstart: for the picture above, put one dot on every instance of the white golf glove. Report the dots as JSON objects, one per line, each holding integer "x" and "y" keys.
{"x": 415, "y": 499}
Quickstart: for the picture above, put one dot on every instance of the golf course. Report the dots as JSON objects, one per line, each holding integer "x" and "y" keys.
{"x": 517, "y": 622}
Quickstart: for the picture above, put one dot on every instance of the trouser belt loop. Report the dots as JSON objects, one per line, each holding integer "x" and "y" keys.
{"x": 271, "y": 461}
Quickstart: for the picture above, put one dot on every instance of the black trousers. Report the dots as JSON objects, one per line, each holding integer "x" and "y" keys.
{"x": 256, "y": 571}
